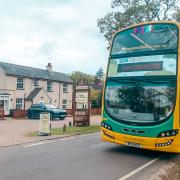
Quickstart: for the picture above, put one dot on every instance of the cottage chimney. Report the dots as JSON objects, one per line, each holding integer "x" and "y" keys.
{"x": 49, "y": 67}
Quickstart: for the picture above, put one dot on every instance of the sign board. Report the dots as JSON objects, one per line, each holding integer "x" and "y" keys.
{"x": 81, "y": 119}
{"x": 82, "y": 87}
{"x": 82, "y": 97}
{"x": 44, "y": 124}
{"x": 81, "y": 106}
{"x": 81, "y": 113}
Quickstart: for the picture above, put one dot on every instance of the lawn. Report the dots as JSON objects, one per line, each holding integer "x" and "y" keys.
{"x": 72, "y": 130}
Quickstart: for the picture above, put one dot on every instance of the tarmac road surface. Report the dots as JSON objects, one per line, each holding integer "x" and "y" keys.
{"x": 83, "y": 157}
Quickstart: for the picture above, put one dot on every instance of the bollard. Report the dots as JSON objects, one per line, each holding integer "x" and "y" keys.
{"x": 64, "y": 128}
{"x": 50, "y": 129}
{"x": 70, "y": 124}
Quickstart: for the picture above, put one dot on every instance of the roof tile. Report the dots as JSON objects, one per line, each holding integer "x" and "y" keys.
{"x": 18, "y": 70}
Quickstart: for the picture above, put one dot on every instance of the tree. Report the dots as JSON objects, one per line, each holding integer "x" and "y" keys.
{"x": 94, "y": 81}
{"x": 79, "y": 77}
{"x": 96, "y": 98}
{"x": 96, "y": 95}
{"x": 176, "y": 15}
{"x": 129, "y": 12}
{"x": 99, "y": 77}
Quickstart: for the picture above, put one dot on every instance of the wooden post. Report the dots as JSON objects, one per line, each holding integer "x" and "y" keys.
{"x": 81, "y": 113}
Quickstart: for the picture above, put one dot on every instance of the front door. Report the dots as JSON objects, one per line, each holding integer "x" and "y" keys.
{"x": 1, "y": 104}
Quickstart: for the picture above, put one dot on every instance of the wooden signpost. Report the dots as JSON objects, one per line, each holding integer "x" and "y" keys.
{"x": 81, "y": 106}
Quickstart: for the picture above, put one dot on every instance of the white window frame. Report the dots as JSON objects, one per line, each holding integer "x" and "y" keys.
{"x": 19, "y": 103}
{"x": 20, "y": 83}
{"x": 65, "y": 88}
{"x": 49, "y": 86}
{"x": 64, "y": 103}
{"x": 36, "y": 82}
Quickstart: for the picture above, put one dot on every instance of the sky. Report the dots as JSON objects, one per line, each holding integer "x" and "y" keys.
{"x": 63, "y": 32}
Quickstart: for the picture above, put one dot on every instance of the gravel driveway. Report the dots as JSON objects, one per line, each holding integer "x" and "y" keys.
{"x": 14, "y": 131}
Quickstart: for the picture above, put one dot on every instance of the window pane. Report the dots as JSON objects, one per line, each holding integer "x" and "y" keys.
{"x": 64, "y": 103}
{"x": 140, "y": 103}
{"x": 49, "y": 86}
{"x": 35, "y": 82}
{"x": 19, "y": 103}
{"x": 20, "y": 83}
{"x": 146, "y": 38}
{"x": 64, "y": 87}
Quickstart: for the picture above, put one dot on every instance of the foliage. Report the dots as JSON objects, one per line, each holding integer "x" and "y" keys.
{"x": 79, "y": 77}
{"x": 72, "y": 130}
{"x": 96, "y": 98}
{"x": 129, "y": 12}
{"x": 96, "y": 91}
{"x": 94, "y": 94}
{"x": 99, "y": 77}
{"x": 176, "y": 15}
{"x": 95, "y": 82}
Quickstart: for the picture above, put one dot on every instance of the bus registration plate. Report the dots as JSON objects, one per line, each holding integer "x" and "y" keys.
{"x": 134, "y": 144}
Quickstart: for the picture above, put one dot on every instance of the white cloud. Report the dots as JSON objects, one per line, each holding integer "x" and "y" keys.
{"x": 65, "y": 31}
{"x": 60, "y": 13}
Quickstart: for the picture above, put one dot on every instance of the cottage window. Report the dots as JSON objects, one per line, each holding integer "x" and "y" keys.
{"x": 20, "y": 83}
{"x": 64, "y": 103}
{"x": 65, "y": 88}
{"x": 35, "y": 82}
{"x": 49, "y": 86}
{"x": 19, "y": 103}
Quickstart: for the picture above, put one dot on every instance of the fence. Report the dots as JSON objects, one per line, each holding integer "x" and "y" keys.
{"x": 2, "y": 114}
{"x": 94, "y": 111}
{"x": 19, "y": 113}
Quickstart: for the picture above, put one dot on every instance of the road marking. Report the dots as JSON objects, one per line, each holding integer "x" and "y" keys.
{"x": 61, "y": 139}
{"x": 139, "y": 169}
{"x": 68, "y": 138}
{"x": 90, "y": 134}
{"x": 73, "y": 137}
{"x": 34, "y": 144}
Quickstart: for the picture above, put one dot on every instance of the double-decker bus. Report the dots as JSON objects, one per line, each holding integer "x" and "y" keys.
{"x": 142, "y": 88}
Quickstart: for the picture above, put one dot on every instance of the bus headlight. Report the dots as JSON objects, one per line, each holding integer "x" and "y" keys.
{"x": 106, "y": 126}
{"x": 168, "y": 133}
{"x": 164, "y": 144}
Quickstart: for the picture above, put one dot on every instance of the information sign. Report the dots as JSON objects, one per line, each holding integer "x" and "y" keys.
{"x": 81, "y": 106}
{"x": 44, "y": 124}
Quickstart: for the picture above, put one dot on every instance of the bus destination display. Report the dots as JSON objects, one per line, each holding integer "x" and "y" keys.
{"x": 142, "y": 66}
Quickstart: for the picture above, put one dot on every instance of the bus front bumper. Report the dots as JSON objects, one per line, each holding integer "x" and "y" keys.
{"x": 167, "y": 144}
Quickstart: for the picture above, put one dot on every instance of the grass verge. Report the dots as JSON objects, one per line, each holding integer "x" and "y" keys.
{"x": 71, "y": 130}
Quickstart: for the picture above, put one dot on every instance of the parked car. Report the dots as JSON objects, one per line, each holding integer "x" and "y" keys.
{"x": 35, "y": 110}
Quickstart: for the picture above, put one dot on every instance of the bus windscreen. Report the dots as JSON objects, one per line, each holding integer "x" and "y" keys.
{"x": 143, "y": 38}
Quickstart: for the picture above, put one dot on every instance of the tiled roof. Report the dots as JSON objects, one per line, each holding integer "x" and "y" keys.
{"x": 33, "y": 94}
{"x": 17, "y": 70}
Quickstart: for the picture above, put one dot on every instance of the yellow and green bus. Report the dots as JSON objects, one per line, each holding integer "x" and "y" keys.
{"x": 142, "y": 89}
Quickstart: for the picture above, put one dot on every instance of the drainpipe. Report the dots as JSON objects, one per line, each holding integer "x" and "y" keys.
{"x": 24, "y": 101}
{"x": 59, "y": 96}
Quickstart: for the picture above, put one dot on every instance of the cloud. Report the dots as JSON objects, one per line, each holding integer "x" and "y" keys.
{"x": 63, "y": 32}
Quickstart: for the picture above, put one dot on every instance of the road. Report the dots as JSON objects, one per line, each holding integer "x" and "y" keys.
{"x": 78, "y": 158}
